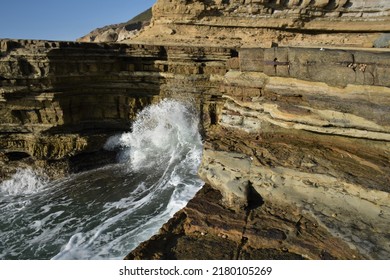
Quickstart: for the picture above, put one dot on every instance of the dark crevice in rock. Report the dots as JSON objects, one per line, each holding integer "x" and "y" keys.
{"x": 234, "y": 53}
{"x": 15, "y": 156}
{"x": 254, "y": 201}
{"x": 213, "y": 114}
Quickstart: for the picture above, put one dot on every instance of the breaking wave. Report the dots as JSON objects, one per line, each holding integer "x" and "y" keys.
{"x": 105, "y": 213}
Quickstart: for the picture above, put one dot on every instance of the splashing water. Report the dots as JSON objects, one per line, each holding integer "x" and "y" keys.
{"x": 24, "y": 181}
{"x": 161, "y": 134}
{"x": 105, "y": 213}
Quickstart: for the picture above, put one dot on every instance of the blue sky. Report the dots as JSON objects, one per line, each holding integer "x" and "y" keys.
{"x": 63, "y": 19}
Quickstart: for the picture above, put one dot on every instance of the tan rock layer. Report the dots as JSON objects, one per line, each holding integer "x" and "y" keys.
{"x": 308, "y": 143}
{"x": 357, "y": 23}
{"x": 319, "y": 148}
{"x": 300, "y": 142}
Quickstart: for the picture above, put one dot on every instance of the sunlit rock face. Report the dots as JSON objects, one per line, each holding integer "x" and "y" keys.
{"x": 120, "y": 31}
{"x": 313, "y": 141}
{"x": 294, "y": 112}
{"x": 299, "y": 135}
{"x": 354, "y": 23}
{"x": 296, "y": 157}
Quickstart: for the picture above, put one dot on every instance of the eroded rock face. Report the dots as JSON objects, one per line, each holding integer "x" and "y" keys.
{"x": 261, "y": 231}
{"x": 60, "y": 101}
{"x": 114, "y": 34}
{"x": 311, "y": 141}
{"x": 298, "y": 149}
{"x": 355, "y": 23}
{"x": 296, "y": 140}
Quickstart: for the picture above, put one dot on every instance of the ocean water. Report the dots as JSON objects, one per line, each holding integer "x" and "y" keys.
{"x": 107, "y": 212}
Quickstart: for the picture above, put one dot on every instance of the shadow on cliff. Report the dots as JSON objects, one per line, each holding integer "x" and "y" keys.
{"x": 98, "y": 91}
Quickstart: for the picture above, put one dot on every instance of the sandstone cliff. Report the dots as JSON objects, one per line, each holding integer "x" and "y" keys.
{"x": 296, "y": 138}
{"x": 60, "y": 101}
{"x": 298, "y": 142}
{"x": 47, "y": 92}
{"x": 299, "y": 150}
{"x": 357, "y": 23}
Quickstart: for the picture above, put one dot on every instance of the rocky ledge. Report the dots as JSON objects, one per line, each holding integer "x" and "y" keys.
{"x": 296, "y": 136}
{"x": 46, "y": 95}
{"x": 60, "y": 101}
{"x": 298, "y": 148}
{"x": 259, "y": 23}
{"x": 206, "y": 229}
{"x": 298, "y": 155}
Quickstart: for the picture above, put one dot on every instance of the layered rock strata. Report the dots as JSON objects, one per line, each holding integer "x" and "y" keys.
{"x": 59, "y": 101}
{"x": 207, "y": 229}
{"x": 353, "y": 23}
{"x": 297, "y": 143}
{"x": 298, "y": 146}
{"x": 299, "y": 152}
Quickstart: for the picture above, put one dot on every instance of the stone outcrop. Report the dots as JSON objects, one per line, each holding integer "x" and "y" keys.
{"x": 353, "y": 23}
{"x": 298, "y": 143}
{"x": 59, "y": 101}
{"x": 296, "y": 138}
{"x": 119, "y": 32}
{"x": 301, "y": 157}
{"x": 62, "y": 99}
{"x": 262, "y": 231}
